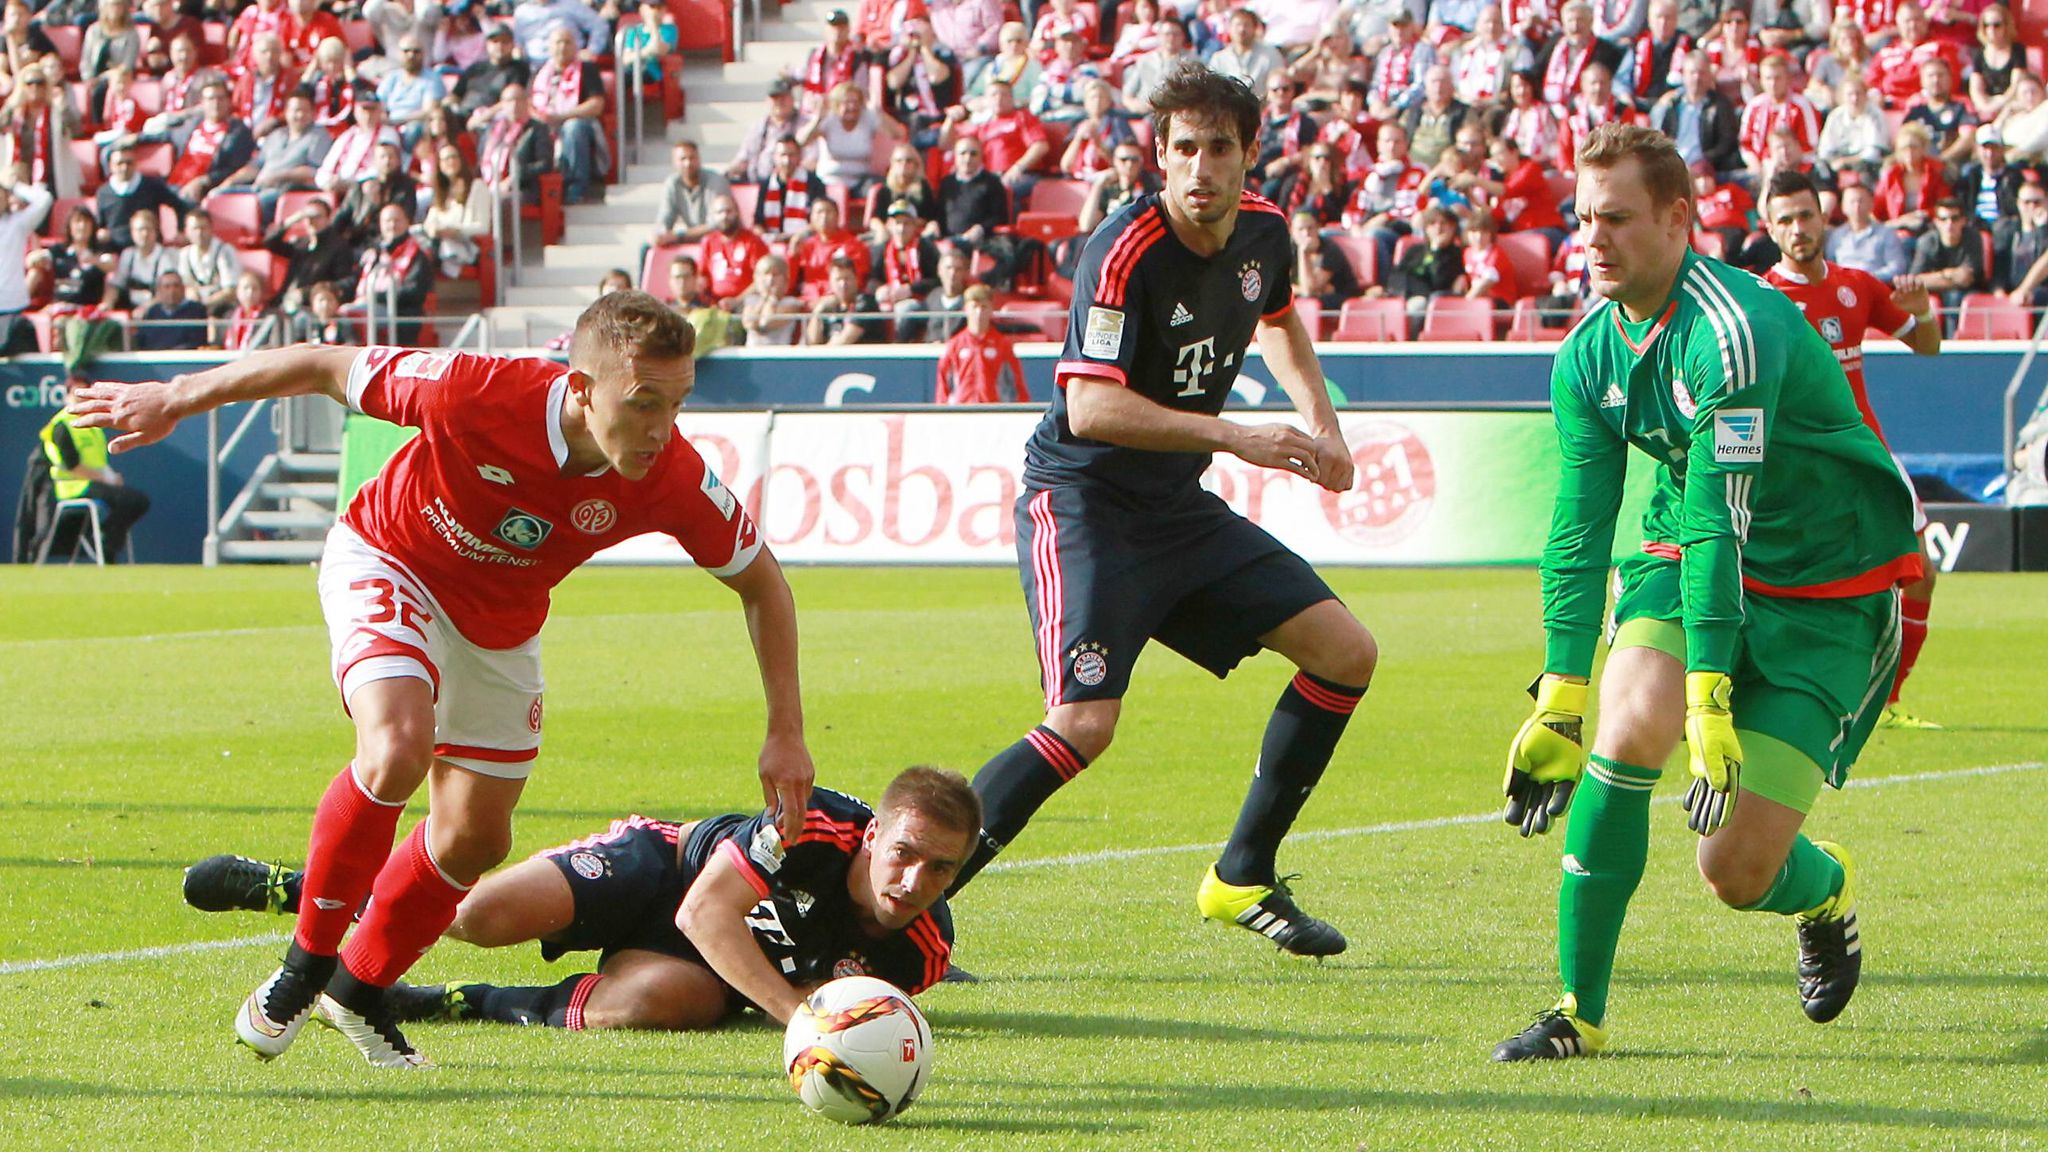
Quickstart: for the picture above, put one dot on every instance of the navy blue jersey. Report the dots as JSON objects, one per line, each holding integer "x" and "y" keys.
{"x": 805, "y": 923}
{"x": 1166, "y": 323}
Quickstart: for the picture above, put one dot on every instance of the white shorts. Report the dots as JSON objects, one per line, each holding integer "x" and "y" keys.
{"x": 382, "y": 624}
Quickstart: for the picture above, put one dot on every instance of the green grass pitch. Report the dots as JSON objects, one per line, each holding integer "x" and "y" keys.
{"x": 155, "y": 716}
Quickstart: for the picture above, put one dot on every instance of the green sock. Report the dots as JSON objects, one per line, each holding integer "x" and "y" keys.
{"x": 1809, "y": 879}
{"x": 1605, "y": 844}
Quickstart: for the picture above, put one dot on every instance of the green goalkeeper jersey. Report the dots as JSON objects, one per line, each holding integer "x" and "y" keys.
{"x": 1768, "y": 481}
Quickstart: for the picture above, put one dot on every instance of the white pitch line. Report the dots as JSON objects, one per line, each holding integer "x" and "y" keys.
{"x": 157, "y": 953}
{"x": 23, "y": 966}
{"x": 1452, "y": 822}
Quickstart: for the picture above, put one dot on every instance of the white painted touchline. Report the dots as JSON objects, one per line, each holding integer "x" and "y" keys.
{"x": 18, "y": 967}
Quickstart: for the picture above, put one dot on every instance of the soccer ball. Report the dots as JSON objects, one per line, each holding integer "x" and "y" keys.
{"x": 856, "y": 1050}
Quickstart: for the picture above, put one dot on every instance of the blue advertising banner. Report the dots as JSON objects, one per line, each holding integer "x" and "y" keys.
{"x": 1948, "y": 405}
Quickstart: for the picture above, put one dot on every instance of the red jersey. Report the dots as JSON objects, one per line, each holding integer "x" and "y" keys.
{"x": 477, "y": 508}
{"x": 729, "y": 262}
{"x": 980, "y": 370}
{"x": 1006, "y": 138}
{"x": 1844, "y": 304}
{"x": 1761, "y": 117}
{"x": 1493, "y": 267}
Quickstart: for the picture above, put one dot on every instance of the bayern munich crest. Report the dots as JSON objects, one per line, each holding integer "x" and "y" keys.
{"x": 848, "y": 966}
{"x": 1091, "y": 663}
{"x": 594, "y": 517}
{"x": 1249, "y": 280}
{"x": 588, "y": 865}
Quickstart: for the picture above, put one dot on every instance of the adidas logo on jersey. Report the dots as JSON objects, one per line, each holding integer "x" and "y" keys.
{"x": 1614, "y": 397}
{"x": 1181, "y": 316}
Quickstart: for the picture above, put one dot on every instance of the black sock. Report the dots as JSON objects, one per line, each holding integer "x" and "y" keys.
{"x": 1300, "y": 738}
{"x": 1012, "y": 786}
{"x": 317, "y": 970}
{"x": 553, "y": 1005}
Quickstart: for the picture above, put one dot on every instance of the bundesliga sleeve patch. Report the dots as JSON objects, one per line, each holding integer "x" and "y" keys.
{"x": 1104, "y": 338}
{"x": 1739, "y": 436}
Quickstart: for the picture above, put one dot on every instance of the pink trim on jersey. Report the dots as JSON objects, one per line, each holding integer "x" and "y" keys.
{"x": 731, "y": 852}
{"x": 488, "y": 755}
{"x": 1067, "y": 368}
{"x": 1045, "y": 569}
{"x": 612, "y": 834}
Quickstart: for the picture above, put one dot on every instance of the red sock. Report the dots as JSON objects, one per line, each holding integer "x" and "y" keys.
{"x": 352, "y": 833}
{"x": 412, "y": 904}
{"x": 1912, "y": 634}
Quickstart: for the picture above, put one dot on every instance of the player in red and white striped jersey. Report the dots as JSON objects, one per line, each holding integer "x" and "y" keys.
{"x": 435, "y": 585}
{"x": 1843, "y": 304}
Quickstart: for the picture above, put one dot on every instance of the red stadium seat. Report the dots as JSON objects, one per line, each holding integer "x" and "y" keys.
{"x": 237, "y": 217}
{"x": 69, "y": 40}
{"x": 148, "y": 92}
{"x": 1050, "y": 318}
{"x": 213, "y": 42}
{"x": 291, "y": 202}
{"x": 654, "y": 268}
{"x": 1362, "y": 256}
{"x": 1989, "y": 316}
{"x": 1457, "y": 318}
{"x": 1405, "y": 245}
{"x": 1046, "y": 227}
{"x": 1529, "y": 254}
{"x": 1066, "y": 197}
{"x": 745, "y": 196}
{"x": 155, "y": 159}
{"x": 53, "y": 224}
{"x": 358, "y": 35}
{"x": 1530, "y": 323}
{"x": 1310, "y": 310}
{"x": 87, "y": 154}
{"x": 266, "y": 264}
{"x": 1368, "y": 320}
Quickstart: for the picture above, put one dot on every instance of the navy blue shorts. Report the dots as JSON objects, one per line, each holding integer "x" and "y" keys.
{"x": 628, "y": 883}
{"x": 1104, "y": 574}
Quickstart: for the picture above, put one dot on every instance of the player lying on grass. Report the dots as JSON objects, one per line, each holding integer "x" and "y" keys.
{"x": 435, "y": 584}
{"x": 696, "y": 920}
{"x": 1760, "y": 619}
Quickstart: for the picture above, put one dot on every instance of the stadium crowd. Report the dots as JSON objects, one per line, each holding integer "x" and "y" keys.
{"x": 1423, "y": 148}
{"x": 241, "y": 174}
{"x": 248, "y": 174}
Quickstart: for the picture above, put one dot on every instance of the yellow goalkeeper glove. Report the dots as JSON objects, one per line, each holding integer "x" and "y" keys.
{"x": 1547, "y": 756}
{"x": 1712, "y": 751}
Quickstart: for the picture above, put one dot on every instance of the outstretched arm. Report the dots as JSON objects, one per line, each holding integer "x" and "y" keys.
{"x": 714, "y": 916}
{"x": 786, "y": 771}
{"x": 149, "y": 409}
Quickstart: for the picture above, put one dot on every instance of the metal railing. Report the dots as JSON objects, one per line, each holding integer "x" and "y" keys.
{"x": 632, "y": 82}
{"x": 2009, "y": 452}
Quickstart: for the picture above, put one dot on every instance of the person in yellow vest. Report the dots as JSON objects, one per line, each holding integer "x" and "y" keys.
{"x": 78, "y": 467}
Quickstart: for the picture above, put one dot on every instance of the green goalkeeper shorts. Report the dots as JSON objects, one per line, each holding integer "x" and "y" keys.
{"x": 1811, "y": 674}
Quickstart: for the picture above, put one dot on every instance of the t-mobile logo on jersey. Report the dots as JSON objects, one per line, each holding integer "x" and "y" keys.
{"x": 1192, "y": 363}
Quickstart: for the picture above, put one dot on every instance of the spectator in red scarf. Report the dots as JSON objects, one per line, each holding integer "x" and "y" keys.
{"x": 906, "y": 265}
{"x": 568, "y": 94}
{"x": 784, "y": 202}
{"x": 217, "y": 148}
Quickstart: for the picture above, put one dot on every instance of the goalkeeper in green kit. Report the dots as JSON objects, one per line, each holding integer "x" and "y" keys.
{"x": 1759, "y": 620}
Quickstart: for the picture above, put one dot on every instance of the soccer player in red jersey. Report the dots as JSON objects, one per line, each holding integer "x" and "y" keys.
{"x": 435, "y": 585}
{"x": 1843, "y": 303}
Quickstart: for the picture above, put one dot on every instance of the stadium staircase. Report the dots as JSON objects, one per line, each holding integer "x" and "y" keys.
{"x": 723, "y": 100}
